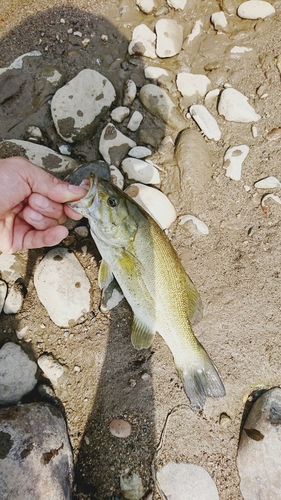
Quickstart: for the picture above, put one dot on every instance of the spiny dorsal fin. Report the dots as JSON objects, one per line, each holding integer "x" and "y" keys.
{"x": 142, "y": 336}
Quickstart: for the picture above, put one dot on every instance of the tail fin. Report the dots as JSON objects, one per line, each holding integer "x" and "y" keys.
{"x": 200, "y": 379}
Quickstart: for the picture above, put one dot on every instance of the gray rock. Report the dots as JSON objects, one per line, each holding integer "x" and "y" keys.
{"x": 169, "y": 38}
{"x": 259, "y": 452}
{"x": 78, "y": 106}
{"x": 14, "y": 299}
{"x": 159, "y": 104}
{"x": 3, "y": 293}
{"x": 36, "y": 457}
{"x": 180, "y": 481}
{"x": 114, "y": 145}
{"x": 140, "y": 171}
{"x": 17, "y": 374}
{"x": 62, "y": 287}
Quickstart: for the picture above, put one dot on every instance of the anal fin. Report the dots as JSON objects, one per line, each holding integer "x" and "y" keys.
{"x": 142, "y": 336}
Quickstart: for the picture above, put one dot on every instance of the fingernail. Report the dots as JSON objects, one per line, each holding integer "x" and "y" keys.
{"x": 35, "y": 216}
{"x": 77, "y": 189}
{"x": 41, "y": 201}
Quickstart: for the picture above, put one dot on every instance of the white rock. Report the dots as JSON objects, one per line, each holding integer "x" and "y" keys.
{"x": 3, "y": 293}
{"x": 51, "y": 368}
{"x": 154, "y": 72}
{"x": 116, "y": 177}
{"x": 190, "y": 85}
{"x": 254, "y": 131}
{"x": 158, "y": 103}
{"x": 268, "y": 183}
{"x": 17, "y": 374}
{"x": 14, "y": 300}
{"x": 219, "y": 21}
{"x": 131, "y": 486}
{"x": 180, "y": 481}
{"x": 169, "y": 37}
{"x": 143, "y": 42}
{"x": 13, "y": 266}
{"x": 238, "y": 49}
{"x": 139, "y": 152}
{"x": 77, "y": 105}
{"x": 154, "y": 202}
{"x": 42, "y": 156}
{"x": 195, "y": 31}
{"x": 211, "y": 95}
{"x": 62, "y": 287}
{"x": 65, "y": 149}
{"x": 130, "y": 92}
{"x": 119, "y": 114}
{"x": 201, "y": 227}
{"x": 114, "y": 145}
{"x": 177, "y": 4}
{"x": 22, "y": 333}
{"x": 140, "y": 171}
{"x": 147, "y": 6}
{"x": 135, "y": 121}
{"x": 233, "y": 160}
{"x": 35, "y": 133}
{"x": 234, "y": 107}
{"x": 205, "y": 121}
{"x": 255, "y": 9}
{"x": 266, "y": 197}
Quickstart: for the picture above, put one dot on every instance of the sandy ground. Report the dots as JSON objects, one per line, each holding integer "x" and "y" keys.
{"x": 236, "y": 269}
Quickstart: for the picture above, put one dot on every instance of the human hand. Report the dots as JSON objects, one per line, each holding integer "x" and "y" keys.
{"x": 32, "y": 206}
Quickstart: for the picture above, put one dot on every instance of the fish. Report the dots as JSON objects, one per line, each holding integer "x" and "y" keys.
{"x": 138, "y": 254}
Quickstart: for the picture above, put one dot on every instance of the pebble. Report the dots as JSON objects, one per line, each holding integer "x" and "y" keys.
{"x": 156, "y": 203}
{"x": 53, "y": 370}
{"x": 191, "y": 85}
{"x": 76, "y": 106}
{"x": 201, "y": 227}
{"x": 139, "y": 152}
{"x": 274, "y": 135}
{"x": 143, "y": 42}
{"x": 116, "y": 177}
{"x": 3, "y": 293}
{"x": 181, "y": 481}
{"x": 205, "y": 121}
{"x": 159, "y": 104}
{"x": 233, "y": 161}
{"x": 13, "y": 267}
{"x": 14, "y": 298}
{"x": 36, "y": 455}
{"x": 140, "y": 171}
{"x": 17, "y": 374}
{"x": 64, "y": 304}
{"x": 114, "y": 145}
{"x": 120, "y": 428}
{"x": 169, "y": 37}
{"x": 219, "y": 21}
{"x": 135, "y": 121}
{"x": 130, "y": 92}
{"x": 177, "y": 4}
{"x": 234, "y": 107}
{"x": 82, "y": 231}
{"x": 119, "y": 114}
{"x": 258, "y": 458}
{"x": 255, "y": 9}
{"x": 154, "y": 72}
{"x": 268, "y": 183}
{"x": 131, "y": 486}
{"x": 65, "y": 149}
{"x": 147, "y": 6}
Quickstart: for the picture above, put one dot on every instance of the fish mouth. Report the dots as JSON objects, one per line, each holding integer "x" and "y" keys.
{"x": 90, "y": 200}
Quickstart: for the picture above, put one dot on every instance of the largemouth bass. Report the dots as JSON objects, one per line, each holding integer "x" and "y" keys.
{"x": 138, "y": 254}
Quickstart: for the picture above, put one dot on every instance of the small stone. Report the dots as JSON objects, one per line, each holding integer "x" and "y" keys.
{"x": 51, "y": 368}
{"x": 143, "y": 42}
{"x": 82, "y": 231}
{"x": 154, "y": 72}
{"x": 205, "y": 121}
{"x": 268, "y": 183}
{"x": 17, "y": 374}
{"x": 119, "y": 114}
{"x": 219, "y": 21}
{"x": 177, "y": 4}
{"x": 114, "y": 145}
{"x": 147, "y": 6}
{"x": 14, "y": 299}
{"x": 135, "y": 121}
{"x": 131, "y": 486}
{"x": 65, "y": 149}
{"x": 130, "y": 92}
{"x": 274, "y": 135}
{"x": 139, "y": 152}
{"x": 191, "y": 85}
{"x": 234, "y": 107}
{"x": 21, "y": 334}
{"x": 255, "y": 9}
{"x": 224, "y": 420}
{"x": 201, "y": 227}
{"x": 120, "y": 428}
{"x": 158, "y": 103}
{"x": 34, "y": 133}
{"x": 3, "y": 293}
{"x": 169, "y": 38}
{"x": 140, "y": 171}
{"x": 116, "y": 177}
{"x": 233, "y": 160}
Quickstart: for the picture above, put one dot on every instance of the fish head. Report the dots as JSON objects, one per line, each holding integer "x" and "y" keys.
{"x": 106, "y": 207}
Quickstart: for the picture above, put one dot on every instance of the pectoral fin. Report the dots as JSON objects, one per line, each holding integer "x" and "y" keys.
{"x": 142, "y": 336}
{"x": 111, "y": 296}
{"x": 195, "y": 306}
{"x": 105, "y": 276}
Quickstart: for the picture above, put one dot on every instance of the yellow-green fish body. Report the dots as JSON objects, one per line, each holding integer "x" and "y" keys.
{"x": 137, "y": 252}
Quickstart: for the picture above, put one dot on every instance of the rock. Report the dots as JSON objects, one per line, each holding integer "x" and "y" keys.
{"x": 234, "y": 107}
{"x": 143, "y": 42}
{"x": 13, "y": 267}
{"x": 233, "y": 161}
{"x": 130, "y": 92}
{"x": 177, "y": 4}
{"x": 147, "y": 6}
{"x": 135, "y": 121}
{"x": 98, "y": 168}
{"x": 151, "y": 136}
{"x": 120, "y": 428}
{"x": 36, "y": 455}
{"x": 180, "y": 481}
{"x": 119, "y": 114}
{"x": 158, "y": 103}
{"x": 201, "y": 227}
{"x": 35, "y": 134}
{"x": 3, "y": 293}
{"x": 255, "y": 9}
{"x": 258, "y": 459}
{"x": 139, "y": 152}
{"x": 114, "y": 145}
{"x": 62, "y": 287}
{"x": 65, "y": 149}
{"x": 111, "y": 296}
{"x": 169, "y": 38}
{"x": 154, "y": 72}
{"x": 78, "y": 106}
{"x": 40, "y": 155}
{"x": 140, "y": 171}
{"x": 191, "y": 85}
{"x": 17, "y": 374}
{"x": 131, "y": 486}
{"x": 205, "y": 121}
{"x": 116, "y": 177}
{"x": 14, "y": 299}
{"x": 268, "y": 183}
{"x": 82, "y": 231}
{"x": 53, "y": 370}
{"x": 219, "y": 21}
{"x": 154, "y": 202}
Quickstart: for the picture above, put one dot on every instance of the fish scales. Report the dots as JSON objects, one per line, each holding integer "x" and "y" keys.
{"x": 139, "y": 255}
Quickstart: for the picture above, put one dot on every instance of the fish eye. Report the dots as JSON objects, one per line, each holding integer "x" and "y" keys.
{"x": 112, "y": 202}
